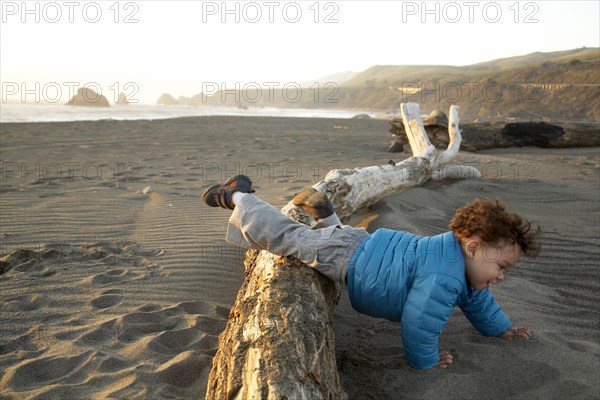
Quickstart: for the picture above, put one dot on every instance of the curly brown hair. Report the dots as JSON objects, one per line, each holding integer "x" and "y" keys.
{"x": 492, "y": 223}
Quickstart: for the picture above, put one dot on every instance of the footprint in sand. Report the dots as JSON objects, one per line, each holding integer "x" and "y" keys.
{"x": 182, "y": 370}
{"x": 28, "y": 261}
{"x": 33, "y": 373}
{"x": 188, "y": 326}
{"x": 177, "y": 342}
{"x": 584, "y": 346}
{"x": 107, "y": 299}
{"x": 26, "y": 302}
{"x": 112, "y": 276}
{"x": 113, "y": 364}
{"x": 107, "y": 332}
{"x": 149, "y": 308}
{"x": 207, "y": 322}
{"x": 143, "y": 270}
{"x": 172, "y": 342}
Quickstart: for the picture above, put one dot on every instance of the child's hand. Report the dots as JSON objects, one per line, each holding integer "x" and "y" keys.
{"x": 445, "y": 359}
{"x": 516, "y": 332}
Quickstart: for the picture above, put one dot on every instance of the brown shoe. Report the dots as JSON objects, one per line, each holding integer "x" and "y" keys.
{"x": 315, "y": 203}
{"x": 221, "y": 195}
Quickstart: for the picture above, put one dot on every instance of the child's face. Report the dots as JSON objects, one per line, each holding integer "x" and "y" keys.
{"x": 485, "y": 264}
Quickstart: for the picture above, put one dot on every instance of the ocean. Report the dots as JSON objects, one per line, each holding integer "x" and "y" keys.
{"x": 20, "y": 112}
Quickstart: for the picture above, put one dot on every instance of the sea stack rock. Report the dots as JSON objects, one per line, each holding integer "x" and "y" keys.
{"x": 122, "y": 99}
{"x": 167, "y": 100}
{"x": 88, "y": 98}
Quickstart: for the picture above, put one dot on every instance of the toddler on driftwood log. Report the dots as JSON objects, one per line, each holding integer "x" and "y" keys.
{"x": 415, "y": 280}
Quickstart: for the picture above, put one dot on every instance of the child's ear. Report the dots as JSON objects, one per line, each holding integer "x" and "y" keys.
{"x": 472, "y": 246}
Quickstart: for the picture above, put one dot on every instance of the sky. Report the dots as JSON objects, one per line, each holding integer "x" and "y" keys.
{"x": 146, "y": 48}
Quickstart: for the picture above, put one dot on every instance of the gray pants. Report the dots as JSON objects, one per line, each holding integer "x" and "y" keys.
{"x": 257, "y": 224}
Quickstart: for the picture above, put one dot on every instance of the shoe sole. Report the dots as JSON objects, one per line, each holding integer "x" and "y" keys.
{"x": 209, "y": 200}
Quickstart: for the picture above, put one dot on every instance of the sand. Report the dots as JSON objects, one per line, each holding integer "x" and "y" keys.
{"x": 108, "y": 292}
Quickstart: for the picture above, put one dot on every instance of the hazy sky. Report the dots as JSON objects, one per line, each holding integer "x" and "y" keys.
{"x": 177, "y": 46}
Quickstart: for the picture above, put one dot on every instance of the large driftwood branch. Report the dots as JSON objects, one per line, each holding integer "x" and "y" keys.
{"x": 279, "y": 341}
{"x": 482, "y": 136}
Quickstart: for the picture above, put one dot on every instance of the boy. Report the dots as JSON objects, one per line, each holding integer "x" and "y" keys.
{"x": 391, "y": 274}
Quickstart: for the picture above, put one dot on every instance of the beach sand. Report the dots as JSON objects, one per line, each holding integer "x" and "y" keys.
{"x": 107, "y": 292}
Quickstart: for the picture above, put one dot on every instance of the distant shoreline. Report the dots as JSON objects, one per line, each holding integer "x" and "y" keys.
{"x": 21, "y": 113}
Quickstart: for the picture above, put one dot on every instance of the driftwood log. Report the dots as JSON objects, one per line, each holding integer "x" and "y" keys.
{"x": 482, "y": 136}
{"x": 436, "y": 126}
{"x": 279, "y": 340}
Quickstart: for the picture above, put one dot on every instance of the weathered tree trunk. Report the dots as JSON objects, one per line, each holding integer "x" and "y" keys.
{"x": 482, "y": 136}
{"x": 279, "y": 341}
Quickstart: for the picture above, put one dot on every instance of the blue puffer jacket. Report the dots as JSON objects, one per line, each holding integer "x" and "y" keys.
{"x": 418, "y": 281}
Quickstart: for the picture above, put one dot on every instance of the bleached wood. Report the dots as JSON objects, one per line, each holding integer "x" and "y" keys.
{"x": 417, "y": 136}
{"x": 455, "y": 137}
{"x": 279, "y": 340}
